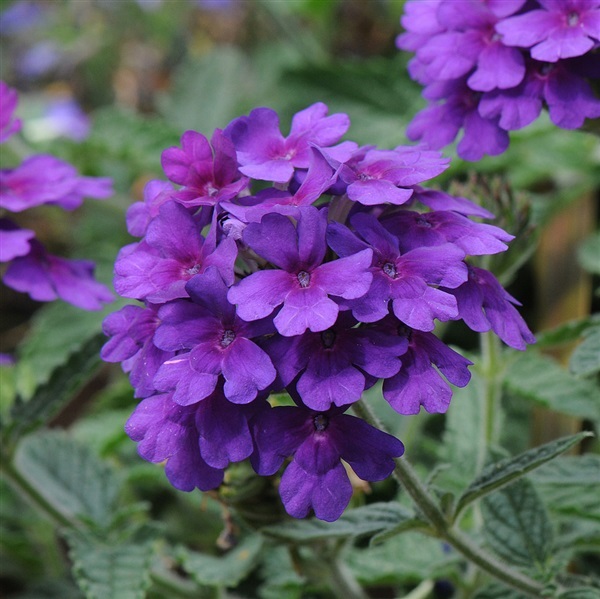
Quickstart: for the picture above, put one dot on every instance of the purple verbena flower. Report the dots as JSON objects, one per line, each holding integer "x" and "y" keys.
{"x": 9, "y": 125}
{"x": 301, "y": 283}
{"x": 263, "y": 152}
{"x": 316, "y": 479}
{"x": 219, "y": 344}
{"x": 14, "y": 241}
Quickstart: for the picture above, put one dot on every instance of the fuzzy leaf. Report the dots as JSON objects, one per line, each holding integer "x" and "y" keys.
{"x": 516, "y": 525}
{"x": 501, "y": 473}
{"x": 110, "y": 571}
{"x": 566, "y": 332}
{"x": 50, "y": 397}
{"x": 585, "y": 360}
{"x": 498, "y": 591}
{"x": 69, "y": 476}
{"x": 225, "y": 571}
{"x": 542, "y": 380}
{"x": 361, "y": 521}
{"x": 589, "y": 254}
{"x": 580, "y": 593}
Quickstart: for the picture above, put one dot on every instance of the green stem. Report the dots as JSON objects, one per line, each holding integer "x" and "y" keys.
{"x": 490, "y": 350}
{"x": 429, "y": 507}
{"x": 343, "y": 583}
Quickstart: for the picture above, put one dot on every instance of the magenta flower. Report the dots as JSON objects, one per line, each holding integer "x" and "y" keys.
{"x": 9, "y": 125}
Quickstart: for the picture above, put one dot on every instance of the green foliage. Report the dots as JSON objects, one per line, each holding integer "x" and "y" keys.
{"x": 540, "y": 379}
{"x": 69, "y": 477}
{"x": 585, "y": 360}
{"x": 361, "y": 521}
{"x": 501, "y": 473}
{"x": 110, "y": 572}
{"x": 589, "y": 253}
{"x": 225, "y": 571}
{"x": 517, "y": 527}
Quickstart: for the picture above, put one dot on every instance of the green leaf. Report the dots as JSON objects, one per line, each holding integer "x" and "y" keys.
{"x": 361, "y": 521}
{"x": 580, "y": 593}
{"x": 542, "y": 380}
{"x": 505, "y": 471}
{"x": 281, "y": 579}
{"x": 570, "y": 470}
{"x": 68, "y": 476}
{"x": 567, "y": 332}
{"x": 50, "y": 397}
{"x": 585, "y": 360}
{"x": 589, "y": 254}
{"x": 110, "y": 572}
{"x": 225, "y": 571}
{"x": 516, "y": 525}
{"x": 409, "y": 557}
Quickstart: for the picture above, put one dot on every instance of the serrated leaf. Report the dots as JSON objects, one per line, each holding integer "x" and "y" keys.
{"x": 225, "y": 571}
{"x": 409, "y": 557}
{"x": 110, "y": 572}
{"x": 566, "y": 332}
{"x": 501, "y": 473}
{"x": 516, "y": 525}
{"x": 589, "y": 254}
{"x": 361, "y": 521}
{"x": 542, "y": 380}
{"x": 69, "y": 476}
{"x": 585, "y": 359}
{"x": 50, "y": 397}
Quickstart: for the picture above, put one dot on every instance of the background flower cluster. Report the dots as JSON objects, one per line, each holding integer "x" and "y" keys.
{"x": 490, "y": 67}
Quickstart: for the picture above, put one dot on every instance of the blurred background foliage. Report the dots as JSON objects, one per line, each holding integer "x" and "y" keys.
{"x": 145, "y": 71}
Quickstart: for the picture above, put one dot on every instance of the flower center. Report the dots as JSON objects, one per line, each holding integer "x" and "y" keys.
{"x": 572, "y": 19}
{"x": 321, "y": 422}
{"x": 328, "y": 338}
{"x": 193, "y": 270}
{"x": 227, "y": 338}
{"x": 423, "y": 221}
{"x": 303, "y": 278}
{"x": 390, "y": 270}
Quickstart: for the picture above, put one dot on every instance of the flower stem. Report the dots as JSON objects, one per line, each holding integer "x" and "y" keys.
{"x": 429, "y": 507}
{"x": 343, "y": 583}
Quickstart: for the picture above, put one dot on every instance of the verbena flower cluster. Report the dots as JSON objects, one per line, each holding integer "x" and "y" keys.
{"x": 490, "y": 66}
{"x": 299, "y": 264}
{"x": 44, "y": 180}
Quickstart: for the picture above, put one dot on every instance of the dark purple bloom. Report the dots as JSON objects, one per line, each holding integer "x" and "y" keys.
{"x": 219, "y": 344}
{"x": 316, "y": 479}
{"x": 167, "y": 431}
{"x": 44, "y": 179}
{"x": 46, "y": 277}
{"x": 557, "y": 29}
{"x": 439, "y": 200}
{"x": 301, "y": 282}
{"x": 173, "y": 251}
{"x": 336, "y": 365}
{"x": 14, "y": 241}
{"x": 132, "y": 331}
{"x": 418, "y": 383}
{"x": 484, "y": 304}
{"x": 9, "y": 125}
{"x": 263, "y": 152}
{"x": 406, "y": 279}
{"x": 207, "y": 171}
{"x": 387, "y": 176}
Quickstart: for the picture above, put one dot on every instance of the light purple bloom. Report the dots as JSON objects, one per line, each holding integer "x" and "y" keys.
{"x": 44, "y": 179}
{"x": 406, "y": 279}
{"x": 14, "y": 241}
{"x": 219, "y": 344}
{"x": 139, "y": 214}
{"x": 173, "y": 251}
{"x": 301, "y": 282}
{"x": 9, "y": 125}
{"x": 263, "y": 152}
{"x": 557, "y": 29}
{"x": 316, "y": 479}
{"x": 46, "y": 277}
{"x": 65, "y": 118}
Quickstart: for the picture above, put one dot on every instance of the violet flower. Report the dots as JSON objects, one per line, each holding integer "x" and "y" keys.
{"x": 316, "y": 479}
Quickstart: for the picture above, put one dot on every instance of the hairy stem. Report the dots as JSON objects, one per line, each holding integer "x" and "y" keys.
{"x": 429, "y": 507}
